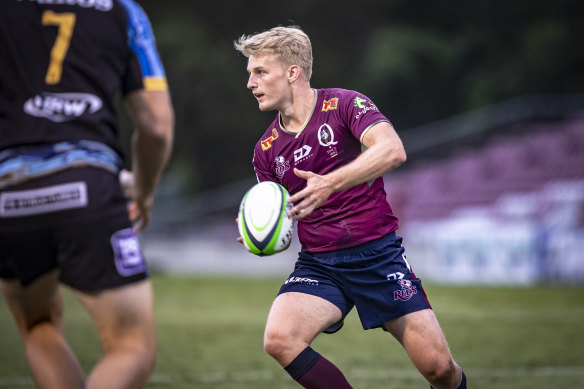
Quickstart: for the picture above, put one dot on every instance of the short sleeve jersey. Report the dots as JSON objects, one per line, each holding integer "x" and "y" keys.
{"x": 63, "y": 62}
{"x": 330, "y": 138}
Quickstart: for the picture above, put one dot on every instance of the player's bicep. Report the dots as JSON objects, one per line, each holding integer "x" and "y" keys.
{"x": 381, "y": 132}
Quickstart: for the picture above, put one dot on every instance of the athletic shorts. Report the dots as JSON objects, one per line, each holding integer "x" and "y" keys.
{"x": 374, "y": 277}
{"x": 75, "y": 220}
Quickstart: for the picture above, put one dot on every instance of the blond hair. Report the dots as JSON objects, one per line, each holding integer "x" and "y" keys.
{"x": 290, "y": 44}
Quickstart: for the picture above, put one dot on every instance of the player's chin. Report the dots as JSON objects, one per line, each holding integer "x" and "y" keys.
{"x": 265, "y": 107}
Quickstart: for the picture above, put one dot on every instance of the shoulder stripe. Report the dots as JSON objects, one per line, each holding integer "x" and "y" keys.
{"x": 142, "y": 42}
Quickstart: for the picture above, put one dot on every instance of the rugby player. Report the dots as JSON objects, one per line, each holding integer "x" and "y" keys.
{"x": 330, "y": 149}
{"x": 64, "y": 217}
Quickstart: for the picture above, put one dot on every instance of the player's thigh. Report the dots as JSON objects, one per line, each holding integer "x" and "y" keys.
{"x": 420, "y": 334}
{"x": 124, "y": 316}
{"x": 40, "y": 301}
{"x": 301, "y": 316}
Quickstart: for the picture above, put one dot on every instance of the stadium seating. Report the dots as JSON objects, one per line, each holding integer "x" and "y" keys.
{"x": 479, "y": 177}
{"x": 510, "y": 211}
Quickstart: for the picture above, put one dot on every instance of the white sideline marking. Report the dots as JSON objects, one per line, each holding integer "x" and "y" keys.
{"x": 265, "y": 375}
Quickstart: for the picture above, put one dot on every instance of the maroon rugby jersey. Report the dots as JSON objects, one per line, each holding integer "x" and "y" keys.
{"x": 330, "y": 139}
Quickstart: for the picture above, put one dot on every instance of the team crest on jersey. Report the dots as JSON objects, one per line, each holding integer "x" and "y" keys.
{"x": 267, "y": 143}
{"x": 281, "y": 166}
{"x": 406, "y": 292}
{"x": 326, "y": 136}
{"x": 329, "y": 105}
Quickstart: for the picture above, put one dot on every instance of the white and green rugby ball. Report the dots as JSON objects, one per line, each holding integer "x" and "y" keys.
{"x": 263, "y": 224}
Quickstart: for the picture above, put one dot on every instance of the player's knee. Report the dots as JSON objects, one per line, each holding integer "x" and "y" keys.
{"x": 40, "y": 328}
{"x": 141, "y": 351}
{"x": 143, "y": 356}
{"x": 440, "y": 372}
{"x": 276, "y": 343}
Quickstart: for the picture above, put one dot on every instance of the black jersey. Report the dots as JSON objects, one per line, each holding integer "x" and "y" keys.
{"x": 63, "y": 61}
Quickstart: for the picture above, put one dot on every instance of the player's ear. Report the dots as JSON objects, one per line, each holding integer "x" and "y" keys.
{"x": 293, "y": 73}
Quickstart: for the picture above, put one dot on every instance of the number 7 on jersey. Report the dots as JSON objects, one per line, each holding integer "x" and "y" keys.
{"x": 66, "y": 23}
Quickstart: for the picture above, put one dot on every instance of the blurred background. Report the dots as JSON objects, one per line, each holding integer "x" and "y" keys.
{"x": 488, "y": 98}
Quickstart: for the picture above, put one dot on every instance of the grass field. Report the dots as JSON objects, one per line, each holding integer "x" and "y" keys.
{"x": 210, "y": 336}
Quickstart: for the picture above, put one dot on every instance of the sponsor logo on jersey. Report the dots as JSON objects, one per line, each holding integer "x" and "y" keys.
{"x": 332, "y": 151}
{"x": 302, "y": 154}
{"x": 301, "y": 280}
{"x": 281, "y": 166}
{"x": 406, "y": 292}
{"x": 359, "y": 102}
{"x": 364, "y": 109}
{"x": 329, "y": 105}
{"x": 62, "y": 107}
{"x": 267, "y": 143}
{"x": 43, "y": 200}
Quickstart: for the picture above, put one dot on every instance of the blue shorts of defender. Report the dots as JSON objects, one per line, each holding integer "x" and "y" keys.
{"x": 374, "y": 277}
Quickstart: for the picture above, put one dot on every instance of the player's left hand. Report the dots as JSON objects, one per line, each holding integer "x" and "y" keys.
{"x": 239, "y": 238}
{"x": 317, "y": 191}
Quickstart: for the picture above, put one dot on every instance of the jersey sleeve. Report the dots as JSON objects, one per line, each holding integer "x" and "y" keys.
{"x": 360, "y": 114}
{"x": 261, "y": 166}
{"x": 145, "y": 69}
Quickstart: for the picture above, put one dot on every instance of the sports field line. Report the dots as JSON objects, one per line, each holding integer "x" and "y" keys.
{"x": 264, "y": 375}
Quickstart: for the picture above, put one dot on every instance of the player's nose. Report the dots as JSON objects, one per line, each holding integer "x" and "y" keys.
{"x": 251, "y": 82}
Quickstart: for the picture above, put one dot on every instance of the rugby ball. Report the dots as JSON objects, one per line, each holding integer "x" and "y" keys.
{"x": 263, "y": 224}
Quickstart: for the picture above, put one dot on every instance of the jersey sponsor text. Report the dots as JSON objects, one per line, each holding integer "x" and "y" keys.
{"x": 61, "y": 107}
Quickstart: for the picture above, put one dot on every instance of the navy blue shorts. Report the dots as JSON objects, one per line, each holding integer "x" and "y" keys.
{"x": 374, "y": 277}
{"x": 74, "y": 220}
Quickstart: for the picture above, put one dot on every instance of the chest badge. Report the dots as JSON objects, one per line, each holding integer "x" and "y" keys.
{"x": 326, "y": 136}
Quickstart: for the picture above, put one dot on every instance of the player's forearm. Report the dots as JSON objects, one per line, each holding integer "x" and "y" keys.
{"x": 153, "y": 117}
{"x": 379, "y": 159}
{"x": 151, "y": 151}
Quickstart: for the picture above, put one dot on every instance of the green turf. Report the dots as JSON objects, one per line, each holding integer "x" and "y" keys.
{"x": 210, "y": 336}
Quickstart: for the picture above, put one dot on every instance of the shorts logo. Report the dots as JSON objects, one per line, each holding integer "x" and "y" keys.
{"x": 282, "y": 166}
{"x": 43, "y": 200}
{"x": 329, "y": 105}
{"x": 406, "y": 292}
{"x": 267, "y": 143}
{"x": 127, "y": 255}
{"x": 301, "y": 280}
